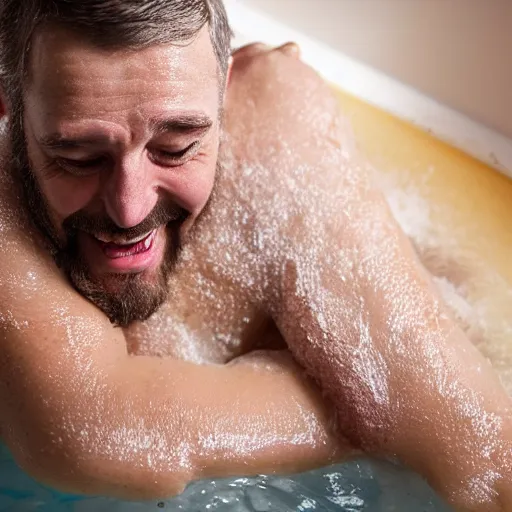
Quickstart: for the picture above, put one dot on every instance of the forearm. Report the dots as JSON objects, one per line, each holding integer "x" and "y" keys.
{"x": 248, "y": 417}
{"x": 80, "y": 414}
{"x": 456, "y": 426}
{"x": 154, "y": 425}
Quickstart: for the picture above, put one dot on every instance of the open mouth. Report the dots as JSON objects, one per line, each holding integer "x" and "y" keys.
{"x": 116, "y": 250}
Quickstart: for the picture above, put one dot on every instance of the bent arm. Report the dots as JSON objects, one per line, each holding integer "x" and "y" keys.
{"x": 374, "y": 334}
{"x": 82, "y": 415}
{"x": 353, "y": 302}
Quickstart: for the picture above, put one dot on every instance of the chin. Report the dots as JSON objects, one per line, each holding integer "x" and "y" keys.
{"x": 123, "y": 290}
{"x": 125, "y": 298}
{"x": 116, "y": 282}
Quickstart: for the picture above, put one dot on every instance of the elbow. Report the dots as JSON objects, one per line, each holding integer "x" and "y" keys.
{"x": 127, "y": 479}
{"x": 115, "y": 442}
{"x": 75, "y": 469}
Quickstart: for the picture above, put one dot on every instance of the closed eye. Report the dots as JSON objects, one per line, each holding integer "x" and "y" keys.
{"x": 81, "y": 167}
{"x": 174, "y": 158}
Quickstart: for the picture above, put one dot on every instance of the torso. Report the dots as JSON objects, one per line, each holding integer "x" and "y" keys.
{"x": 213, "y": 314}
{"x": 205, "y": 320}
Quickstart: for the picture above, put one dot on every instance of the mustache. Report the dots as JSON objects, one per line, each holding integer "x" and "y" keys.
{"x": 98, "y": 224}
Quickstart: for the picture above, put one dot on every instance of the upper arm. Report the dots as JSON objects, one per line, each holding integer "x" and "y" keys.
{"x": 77, "y": 412}
{"x": 53, "y": 345}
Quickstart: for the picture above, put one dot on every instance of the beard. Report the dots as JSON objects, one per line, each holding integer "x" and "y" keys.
{"x": 124, "y": 298}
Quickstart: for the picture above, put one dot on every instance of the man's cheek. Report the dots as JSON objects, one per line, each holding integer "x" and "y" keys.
{"x": 191, "y": 188}
{"x": 67, "y": 194}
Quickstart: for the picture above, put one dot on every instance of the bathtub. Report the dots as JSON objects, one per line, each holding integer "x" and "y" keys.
{"x": 441, "y": 66}
{"x": 443, "y": 155}
{"x": 439, "y": 132}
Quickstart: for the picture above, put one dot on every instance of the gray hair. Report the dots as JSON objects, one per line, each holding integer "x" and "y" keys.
{"x": 112, "y": 24}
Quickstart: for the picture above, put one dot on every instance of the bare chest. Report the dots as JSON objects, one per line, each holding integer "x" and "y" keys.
{"x": 207, "y": 318}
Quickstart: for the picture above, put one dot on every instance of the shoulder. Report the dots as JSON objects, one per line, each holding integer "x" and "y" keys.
{"x": 274, "y": 88}
{"x": 28, "y": 273}
{"x": 20, "y": 239}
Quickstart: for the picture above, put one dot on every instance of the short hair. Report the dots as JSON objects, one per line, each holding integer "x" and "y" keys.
{"x": 111, "y": 24}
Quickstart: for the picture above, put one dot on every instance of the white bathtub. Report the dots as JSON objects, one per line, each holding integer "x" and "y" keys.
{"x": 443, "y": 65}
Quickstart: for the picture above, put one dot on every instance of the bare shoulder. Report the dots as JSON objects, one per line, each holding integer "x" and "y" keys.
{"x": 24, "y": 260}
{"x": 286, "y": 131}
{"x": 44, "y": 323}
{"x": 290, "y": 159}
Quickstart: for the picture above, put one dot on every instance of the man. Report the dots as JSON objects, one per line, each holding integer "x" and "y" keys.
{"x": 114, "y": 120}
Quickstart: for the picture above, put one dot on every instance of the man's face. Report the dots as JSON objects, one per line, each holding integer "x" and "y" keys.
{"x": 121, "y": 153}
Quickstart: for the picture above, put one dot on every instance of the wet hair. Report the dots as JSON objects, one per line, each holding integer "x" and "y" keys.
{"x": 109, "y": 24}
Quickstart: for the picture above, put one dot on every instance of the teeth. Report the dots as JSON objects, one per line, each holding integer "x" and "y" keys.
{"x": 102, "y": 239}
{"x": 128, "y": 242}
{"x": 135, "y": 240}
{"x": 149, "y": 241}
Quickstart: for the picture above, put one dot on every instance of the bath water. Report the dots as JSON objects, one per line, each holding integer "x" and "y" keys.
{"x": 360, "y": 485}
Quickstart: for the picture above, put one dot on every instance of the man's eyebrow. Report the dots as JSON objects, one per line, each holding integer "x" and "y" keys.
{"x": 58, "y": 141}
{"x": 183, "y": 123}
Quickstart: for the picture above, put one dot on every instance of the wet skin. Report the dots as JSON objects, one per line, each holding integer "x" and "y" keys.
{"x": 295, "y": 237}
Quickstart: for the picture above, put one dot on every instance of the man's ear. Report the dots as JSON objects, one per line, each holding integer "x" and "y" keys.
{"x": 227, "y": 80}
{"x": 228, "y": 74}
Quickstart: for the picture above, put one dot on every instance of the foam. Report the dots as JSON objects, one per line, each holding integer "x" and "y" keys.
{"x": 479, "y": 299}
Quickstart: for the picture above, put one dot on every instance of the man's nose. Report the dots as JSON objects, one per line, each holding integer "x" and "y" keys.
{"x": 129, "y": 194}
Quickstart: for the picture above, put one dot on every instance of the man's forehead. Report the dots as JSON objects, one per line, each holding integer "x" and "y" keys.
{"x": 66, "y": 72}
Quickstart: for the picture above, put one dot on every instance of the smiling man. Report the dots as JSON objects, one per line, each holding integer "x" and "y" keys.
{"x": 120, "y": 210}
{"x": 111, "y": 194}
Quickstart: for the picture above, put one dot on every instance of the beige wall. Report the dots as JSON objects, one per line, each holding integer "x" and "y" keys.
{"x": 457, "y": 51}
